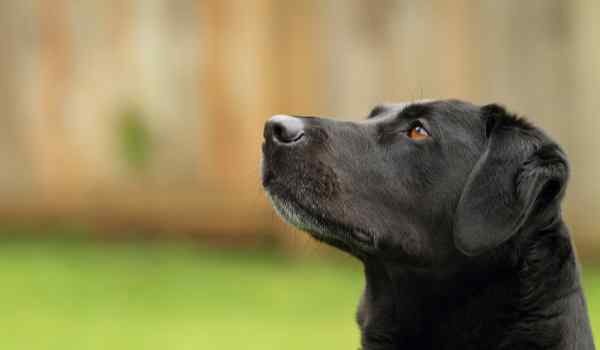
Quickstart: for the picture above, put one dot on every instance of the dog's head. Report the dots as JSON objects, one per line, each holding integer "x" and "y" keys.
{"x": 419, "y": 182}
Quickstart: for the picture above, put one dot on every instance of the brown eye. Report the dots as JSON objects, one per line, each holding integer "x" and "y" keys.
{"x": 417, "y": 132}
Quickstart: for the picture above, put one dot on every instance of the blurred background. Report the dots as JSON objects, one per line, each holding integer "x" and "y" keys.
{"x": 131, "y": 211}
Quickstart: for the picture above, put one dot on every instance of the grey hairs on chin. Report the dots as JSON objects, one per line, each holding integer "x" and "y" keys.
{"x": 289, "y": 214}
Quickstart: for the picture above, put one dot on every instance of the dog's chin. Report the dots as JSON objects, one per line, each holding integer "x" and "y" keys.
{"x": 351, "y": 240}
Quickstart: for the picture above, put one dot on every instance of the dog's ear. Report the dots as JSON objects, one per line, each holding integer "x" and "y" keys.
{"x": 520, "y": 174}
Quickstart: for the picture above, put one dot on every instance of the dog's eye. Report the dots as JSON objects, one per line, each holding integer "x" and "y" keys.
{"x": 417, "y": 131}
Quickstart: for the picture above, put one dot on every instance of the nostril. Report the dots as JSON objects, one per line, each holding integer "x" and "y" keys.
{"x": 286, "y": 129}
{"x": 278, "y": 132}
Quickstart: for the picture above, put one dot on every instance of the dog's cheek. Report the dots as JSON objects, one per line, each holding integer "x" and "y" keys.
{"x": 319, "y": 181}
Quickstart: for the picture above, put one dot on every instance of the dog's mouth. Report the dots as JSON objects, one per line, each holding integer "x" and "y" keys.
{"x": 304, "y": 186}
{"x": 324, "y": 228}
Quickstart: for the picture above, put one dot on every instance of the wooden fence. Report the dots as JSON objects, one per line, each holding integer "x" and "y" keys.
{"x": 193, "y": 81}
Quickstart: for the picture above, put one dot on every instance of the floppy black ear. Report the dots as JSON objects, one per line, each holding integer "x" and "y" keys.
{"x": 521, "y": 173}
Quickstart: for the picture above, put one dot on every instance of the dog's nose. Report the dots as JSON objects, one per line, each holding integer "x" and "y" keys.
{"x": 284, "y": 129}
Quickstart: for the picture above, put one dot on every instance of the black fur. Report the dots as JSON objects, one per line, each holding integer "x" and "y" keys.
{"x": 460, "y": 234}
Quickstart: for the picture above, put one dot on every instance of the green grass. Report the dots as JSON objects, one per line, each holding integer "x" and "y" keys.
{"x": 127, "y": 296}
{"x": 77, "y": 295}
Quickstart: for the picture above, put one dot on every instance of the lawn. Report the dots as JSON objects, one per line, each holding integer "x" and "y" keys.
{"x": 81, "y": 295}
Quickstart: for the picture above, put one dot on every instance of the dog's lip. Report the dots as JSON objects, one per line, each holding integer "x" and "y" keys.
{"x": 347, "y": 235}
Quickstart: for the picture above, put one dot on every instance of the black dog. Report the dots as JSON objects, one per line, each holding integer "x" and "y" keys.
{"x": 454, "y": 210}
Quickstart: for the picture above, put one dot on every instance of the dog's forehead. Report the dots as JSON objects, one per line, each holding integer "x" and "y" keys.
{"x": 398, "y": 107}
{"x": 440, "y": 110}
{"x": 390, "y": 109}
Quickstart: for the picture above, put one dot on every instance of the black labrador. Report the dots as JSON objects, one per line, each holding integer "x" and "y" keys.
{"x": 454, "y": 210}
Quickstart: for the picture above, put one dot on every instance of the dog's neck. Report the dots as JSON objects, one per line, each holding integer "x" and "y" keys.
{"x": 404, "y": 307}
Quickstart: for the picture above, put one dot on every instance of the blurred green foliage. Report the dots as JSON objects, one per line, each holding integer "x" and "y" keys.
{"x": 134, "y": 138}
{"x": 76, "y": 294}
